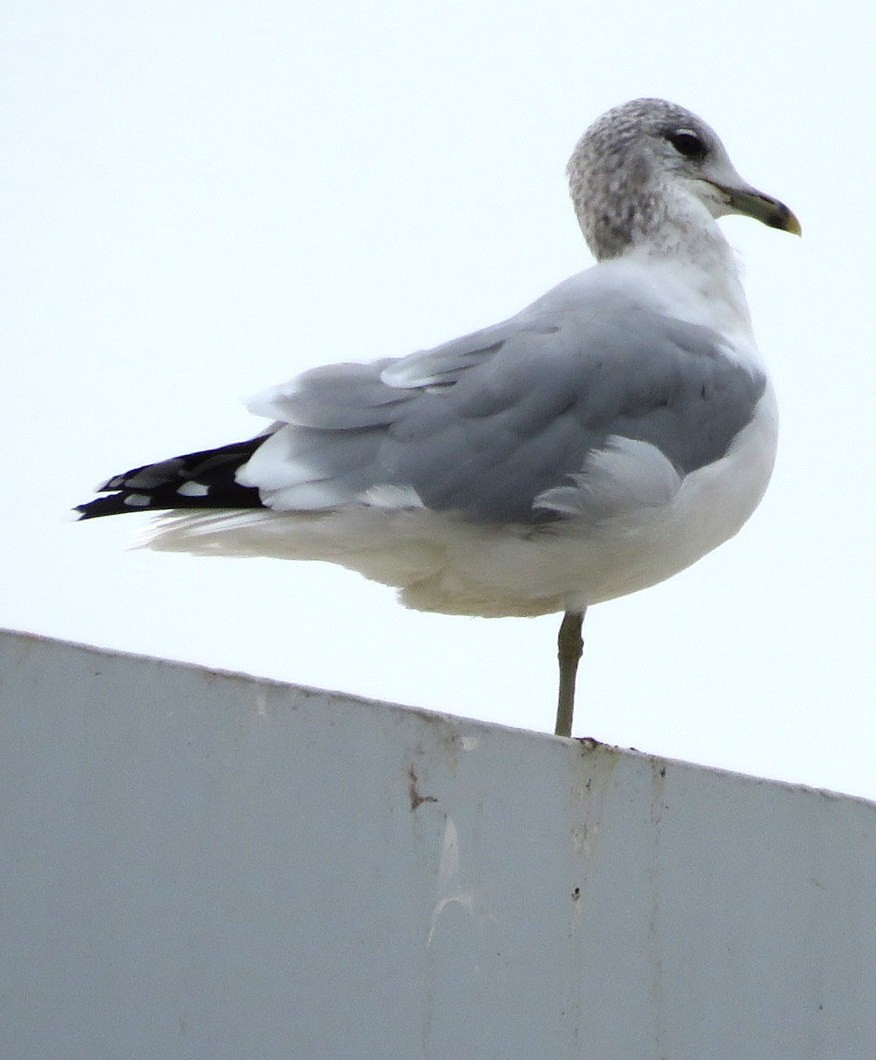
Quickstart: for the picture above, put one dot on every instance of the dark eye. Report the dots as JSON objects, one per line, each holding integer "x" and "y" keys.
{"x": 687, "y": 143}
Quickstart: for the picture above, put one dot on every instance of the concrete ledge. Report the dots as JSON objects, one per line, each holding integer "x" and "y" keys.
{"x": 209, "y": 865}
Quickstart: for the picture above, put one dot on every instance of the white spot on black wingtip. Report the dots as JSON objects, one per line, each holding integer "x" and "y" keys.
{"x": 193, "y": 489}
{"x": 138, "y": 500}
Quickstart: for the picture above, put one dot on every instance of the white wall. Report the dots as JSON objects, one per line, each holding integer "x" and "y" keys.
{"x": 207, "y": 865}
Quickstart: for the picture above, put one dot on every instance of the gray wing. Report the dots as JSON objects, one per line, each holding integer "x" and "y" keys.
{"x": 488, "y": 424}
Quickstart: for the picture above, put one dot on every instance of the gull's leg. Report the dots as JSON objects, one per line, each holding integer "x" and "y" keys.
{"x": 569, "y": 648}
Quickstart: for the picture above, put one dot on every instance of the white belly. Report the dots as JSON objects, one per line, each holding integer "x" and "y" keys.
{"x": 440, "y": 563}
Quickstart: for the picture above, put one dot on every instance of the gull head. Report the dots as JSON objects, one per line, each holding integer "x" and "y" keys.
{"x": 651, "y": 173}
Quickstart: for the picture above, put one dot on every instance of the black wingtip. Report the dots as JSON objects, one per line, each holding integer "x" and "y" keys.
{"x": 100, "y": 506}
{"x": 206, "y": 479}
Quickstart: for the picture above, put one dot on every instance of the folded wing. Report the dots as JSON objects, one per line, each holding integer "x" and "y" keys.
{"x": 550, "y": 415}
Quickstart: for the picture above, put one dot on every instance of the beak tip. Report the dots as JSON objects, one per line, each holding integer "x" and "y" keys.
{"x": 782, "y": 219}
{"x": 792, "y": 225}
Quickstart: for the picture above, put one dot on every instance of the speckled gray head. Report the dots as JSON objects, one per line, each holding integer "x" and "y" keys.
{"x": 649, "y": 166}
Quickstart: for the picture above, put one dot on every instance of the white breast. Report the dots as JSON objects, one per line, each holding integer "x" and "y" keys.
{"x": 647, "y": 544}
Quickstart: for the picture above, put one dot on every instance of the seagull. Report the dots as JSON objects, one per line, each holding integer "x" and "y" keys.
{"x": 606, "y": 437}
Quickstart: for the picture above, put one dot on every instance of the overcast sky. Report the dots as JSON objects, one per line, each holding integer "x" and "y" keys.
{"x": 200, "y": 200}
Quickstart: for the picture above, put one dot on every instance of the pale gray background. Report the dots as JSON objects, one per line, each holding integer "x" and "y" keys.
{"x": 201, "y": 199}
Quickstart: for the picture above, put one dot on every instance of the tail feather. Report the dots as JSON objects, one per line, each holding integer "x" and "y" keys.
{"x": 196, "y": 480}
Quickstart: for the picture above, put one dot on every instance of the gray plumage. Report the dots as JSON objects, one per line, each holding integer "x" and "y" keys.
{"x": 484, "y": 426}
